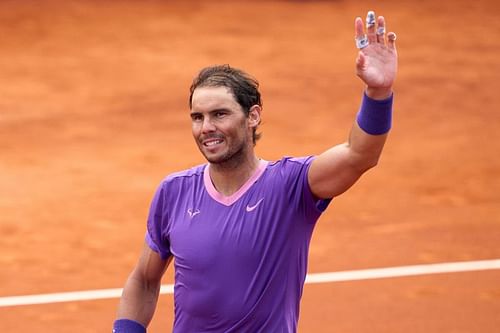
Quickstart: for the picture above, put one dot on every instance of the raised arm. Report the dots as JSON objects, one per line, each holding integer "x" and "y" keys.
{"x": 140, "y": 294}
{"x": 337, "y": 169}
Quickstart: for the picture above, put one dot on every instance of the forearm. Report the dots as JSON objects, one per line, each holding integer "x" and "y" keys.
{"x": 365, "y": 148}
{"x": 369, "y": 133}
{"x": 139, "y": 299}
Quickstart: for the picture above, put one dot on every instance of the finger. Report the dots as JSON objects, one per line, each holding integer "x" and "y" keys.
{"x": 359, "y": 33}
{"x": 381, "y": 30}
{"x": 391, "y": 40}
{"x": 370, "y": 26}
{"x": 360, "y": 62}
{"x": 358, "y": 27}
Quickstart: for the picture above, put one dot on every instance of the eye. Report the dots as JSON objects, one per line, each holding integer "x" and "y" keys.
{"x": 196, "y": 117}
{"x": 220, "y": 114}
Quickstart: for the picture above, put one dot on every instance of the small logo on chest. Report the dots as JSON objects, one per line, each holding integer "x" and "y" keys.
{"x": 193, "y": 212}
{"x": 251, "y": 208}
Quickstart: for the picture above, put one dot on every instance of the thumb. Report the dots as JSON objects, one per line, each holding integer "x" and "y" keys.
{"x": 360, "y": 61}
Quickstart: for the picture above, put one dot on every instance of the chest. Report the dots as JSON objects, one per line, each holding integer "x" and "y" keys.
{"x": 258, "y": 225}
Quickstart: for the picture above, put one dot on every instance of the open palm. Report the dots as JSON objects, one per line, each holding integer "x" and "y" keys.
{"x": 377, "y": 62}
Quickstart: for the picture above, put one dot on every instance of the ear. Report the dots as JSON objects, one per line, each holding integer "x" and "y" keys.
{"x": 254, "y": 115}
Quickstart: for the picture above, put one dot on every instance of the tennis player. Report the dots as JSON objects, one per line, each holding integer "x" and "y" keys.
{"x": 239, "y": 227}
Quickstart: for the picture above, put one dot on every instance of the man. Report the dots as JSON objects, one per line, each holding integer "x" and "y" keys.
{"x": 239, "y": 227}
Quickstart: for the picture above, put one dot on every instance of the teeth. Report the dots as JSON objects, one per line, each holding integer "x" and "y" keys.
{"x": 211, "y": 143}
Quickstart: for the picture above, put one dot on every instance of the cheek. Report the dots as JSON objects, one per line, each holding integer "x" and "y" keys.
{"x": 195, "y": 130}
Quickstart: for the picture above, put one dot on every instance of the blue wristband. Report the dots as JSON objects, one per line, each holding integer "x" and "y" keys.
{"x": 375, "y": 116}
{"x": 128, "y": 326}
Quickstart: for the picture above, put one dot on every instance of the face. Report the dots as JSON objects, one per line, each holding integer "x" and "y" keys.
{"x": 220, "y": 127}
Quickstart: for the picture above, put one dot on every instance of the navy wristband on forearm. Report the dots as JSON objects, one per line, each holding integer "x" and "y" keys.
{"x": 128, "y": 326}
{"x": 375, "y": 116}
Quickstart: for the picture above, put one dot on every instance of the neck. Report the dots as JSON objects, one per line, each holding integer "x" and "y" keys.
{"x": 230, "y": 176}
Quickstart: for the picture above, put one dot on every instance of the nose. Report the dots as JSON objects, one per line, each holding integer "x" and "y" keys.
{"x": 207, "y": 125}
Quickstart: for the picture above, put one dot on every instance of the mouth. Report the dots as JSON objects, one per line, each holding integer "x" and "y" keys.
{"x": 210, "y": 143}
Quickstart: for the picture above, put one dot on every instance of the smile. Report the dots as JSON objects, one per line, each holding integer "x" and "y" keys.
{"x": 210, "y": 143}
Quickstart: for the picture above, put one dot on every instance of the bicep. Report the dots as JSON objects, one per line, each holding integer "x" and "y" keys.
{"x": 337, "y": 169}
{"x": 151, "y": 267}
{"x": 333, "y": 172}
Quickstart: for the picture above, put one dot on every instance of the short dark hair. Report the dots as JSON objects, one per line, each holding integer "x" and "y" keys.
{"x": 244, "y": 87}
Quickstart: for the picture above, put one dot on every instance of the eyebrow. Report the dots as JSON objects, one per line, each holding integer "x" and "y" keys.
{"x": 212, "y": 111}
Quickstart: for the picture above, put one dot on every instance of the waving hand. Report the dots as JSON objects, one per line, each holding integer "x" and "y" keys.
{"x": 376, "y": 63}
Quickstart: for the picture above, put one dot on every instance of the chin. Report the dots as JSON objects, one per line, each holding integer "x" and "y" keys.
{"x": 216, "y": 159}
{"x": 212, "y": 158}
{"x": 225, "y": 156}
{"x": 219, "y": 158}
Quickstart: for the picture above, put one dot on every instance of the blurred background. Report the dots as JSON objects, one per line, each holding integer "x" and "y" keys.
{"x": 94, "y": 113}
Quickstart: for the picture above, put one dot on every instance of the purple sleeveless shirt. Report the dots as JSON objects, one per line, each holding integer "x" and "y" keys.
{"x": 240, "y": 261}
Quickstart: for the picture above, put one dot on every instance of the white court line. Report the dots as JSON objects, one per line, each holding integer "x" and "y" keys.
{"x": 365, "y": 274}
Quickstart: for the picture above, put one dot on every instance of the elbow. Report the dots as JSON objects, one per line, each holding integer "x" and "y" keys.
{"x": 365, "y": 164}
{"x": 365, "y": 158}
{"x": 373, "y": 162}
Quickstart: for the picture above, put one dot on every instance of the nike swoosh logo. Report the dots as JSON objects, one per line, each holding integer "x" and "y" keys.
{"x": 251, "y": 208}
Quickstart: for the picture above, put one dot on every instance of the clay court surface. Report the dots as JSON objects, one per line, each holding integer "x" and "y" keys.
{"x": 93, "y": 114}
